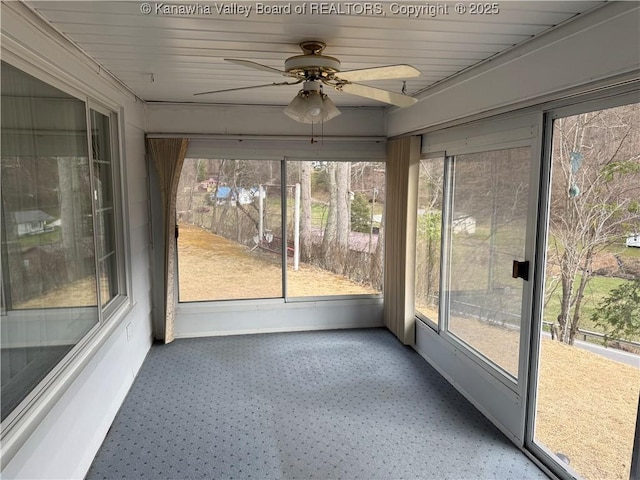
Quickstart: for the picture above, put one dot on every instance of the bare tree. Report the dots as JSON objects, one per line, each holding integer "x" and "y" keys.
{"x": 596, "y": 173}
{"x": 330, "y": 229}
{"x": 429, "y": 229}
{"x": 343, "y": 215}
{"x": 215, "y": 222}
{"x": 186, "y": 187}
{"x": 306, "y": 237}
{"x": 377, "y": 260}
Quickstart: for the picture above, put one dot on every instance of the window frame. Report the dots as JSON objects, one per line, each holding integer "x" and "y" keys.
{"x": 615, "y": 97}
{"x": 262, "y": 152}
{"x": 321, "y": 298}
{"x": 117, "y": 191}
{"x": 515, "y": 382}
{"x": 23, "y": 420}
{"x": 436, "y": 323}
{"x": 517, "y": 129}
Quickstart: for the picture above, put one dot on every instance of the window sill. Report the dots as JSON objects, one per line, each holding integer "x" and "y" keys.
{"x": 24, "y": 420}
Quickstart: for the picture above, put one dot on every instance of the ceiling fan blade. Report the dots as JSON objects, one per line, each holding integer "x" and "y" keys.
{"x": 275, "y": 84}
{"x": 378, "y": 94}
{"x": 257, "y": 66}
{"x": 379, "y": 73}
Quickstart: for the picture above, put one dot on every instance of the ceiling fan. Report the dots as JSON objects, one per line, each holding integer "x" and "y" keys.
{"x": 313, "y": 70}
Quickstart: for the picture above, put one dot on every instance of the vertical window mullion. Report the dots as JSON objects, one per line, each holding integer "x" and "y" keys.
{"x": 94, "y": 211}
{"x": 429, "y": 206}
{"x": 445, "y": 243}
{"x": 114, "y": 139}
{"x": 108, "y": 222}
{"x": 283, "y": 203}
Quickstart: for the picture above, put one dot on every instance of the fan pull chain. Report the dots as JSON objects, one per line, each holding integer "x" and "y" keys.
{"x": 313, "y": 140}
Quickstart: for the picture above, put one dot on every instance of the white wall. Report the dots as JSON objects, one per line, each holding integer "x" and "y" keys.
{"x": 258, "y": 120}
{"x": 201, "y": 319}
{"x": 592, "y": 48}
{"x": 71, "y": 418}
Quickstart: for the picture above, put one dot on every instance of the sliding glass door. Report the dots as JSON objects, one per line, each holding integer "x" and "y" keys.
{"x": 476, "y": 318}
{"x": 487, "y": 228}
{"x": 585, "y": 396}
{"x": 537, "y": 318}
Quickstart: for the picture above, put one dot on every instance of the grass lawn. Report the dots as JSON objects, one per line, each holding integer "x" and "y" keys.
{"x": 597, "y": 289}
{"x": 587, "y": 407}
{"x": 211, "y": 267}
{"x": 620, "y": 248}
{"x": 46, "y": 238}
{"x": 587, "y": 404}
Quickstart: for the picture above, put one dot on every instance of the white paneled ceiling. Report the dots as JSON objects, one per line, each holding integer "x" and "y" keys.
{"x": 169, "y": 57}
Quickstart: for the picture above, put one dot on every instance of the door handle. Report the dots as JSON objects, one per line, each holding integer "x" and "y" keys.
{"x": 520, "y": 270}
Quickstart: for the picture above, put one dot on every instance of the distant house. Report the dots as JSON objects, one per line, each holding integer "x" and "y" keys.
{"x": 464, "y": 224}
{"x": 243, "y": 196}
{"x": 633, "y": 240}
{"x": 33, "y": 222}
{"x": 208, "y": 185}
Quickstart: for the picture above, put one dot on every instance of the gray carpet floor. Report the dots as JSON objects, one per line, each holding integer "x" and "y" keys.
{"x": 347, "y": 404}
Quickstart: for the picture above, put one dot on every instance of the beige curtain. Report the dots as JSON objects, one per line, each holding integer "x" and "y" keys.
{"x": 403, "y": 163}
{"x": 168, "y": 156}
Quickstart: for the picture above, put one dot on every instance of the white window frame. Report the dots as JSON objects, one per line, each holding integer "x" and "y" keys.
{"x": 435, "y": 324}
{"x": 560, "y": 110}
{"x": 494, "y": 392}
{"x": 27, "y": 415}
{"x": 118, "y": 188}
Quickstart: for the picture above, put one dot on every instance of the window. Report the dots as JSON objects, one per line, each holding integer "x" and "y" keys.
{"x": 586, "y": 407}
{"x": 428, "y": 238}
{"x": 487, "y": 232}
{"x": 60, "y": 249}
{"x": 335, "y": 218}
{"x": 232, "y": 240}
{"x": 104, "y": 162}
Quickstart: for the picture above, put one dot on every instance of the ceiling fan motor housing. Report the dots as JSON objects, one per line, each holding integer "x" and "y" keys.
{"x": 321, "y": 65}
{"x": 312, "y": 64}
{"x": 312, "y": 86}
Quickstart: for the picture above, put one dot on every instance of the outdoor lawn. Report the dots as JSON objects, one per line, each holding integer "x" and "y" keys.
{"x": 587, "y": 404}
{"x": 211, "y": 267}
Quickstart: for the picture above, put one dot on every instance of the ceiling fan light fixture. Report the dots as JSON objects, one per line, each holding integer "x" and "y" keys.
{"x": 330, "y": 109}
{"x": 314, "y": 104}
{"x": 297, "y": 109}
{"x": 311, "y": 106}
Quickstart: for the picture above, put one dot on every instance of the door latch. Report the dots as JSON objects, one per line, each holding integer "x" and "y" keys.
{"x": 520, "y": 270}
